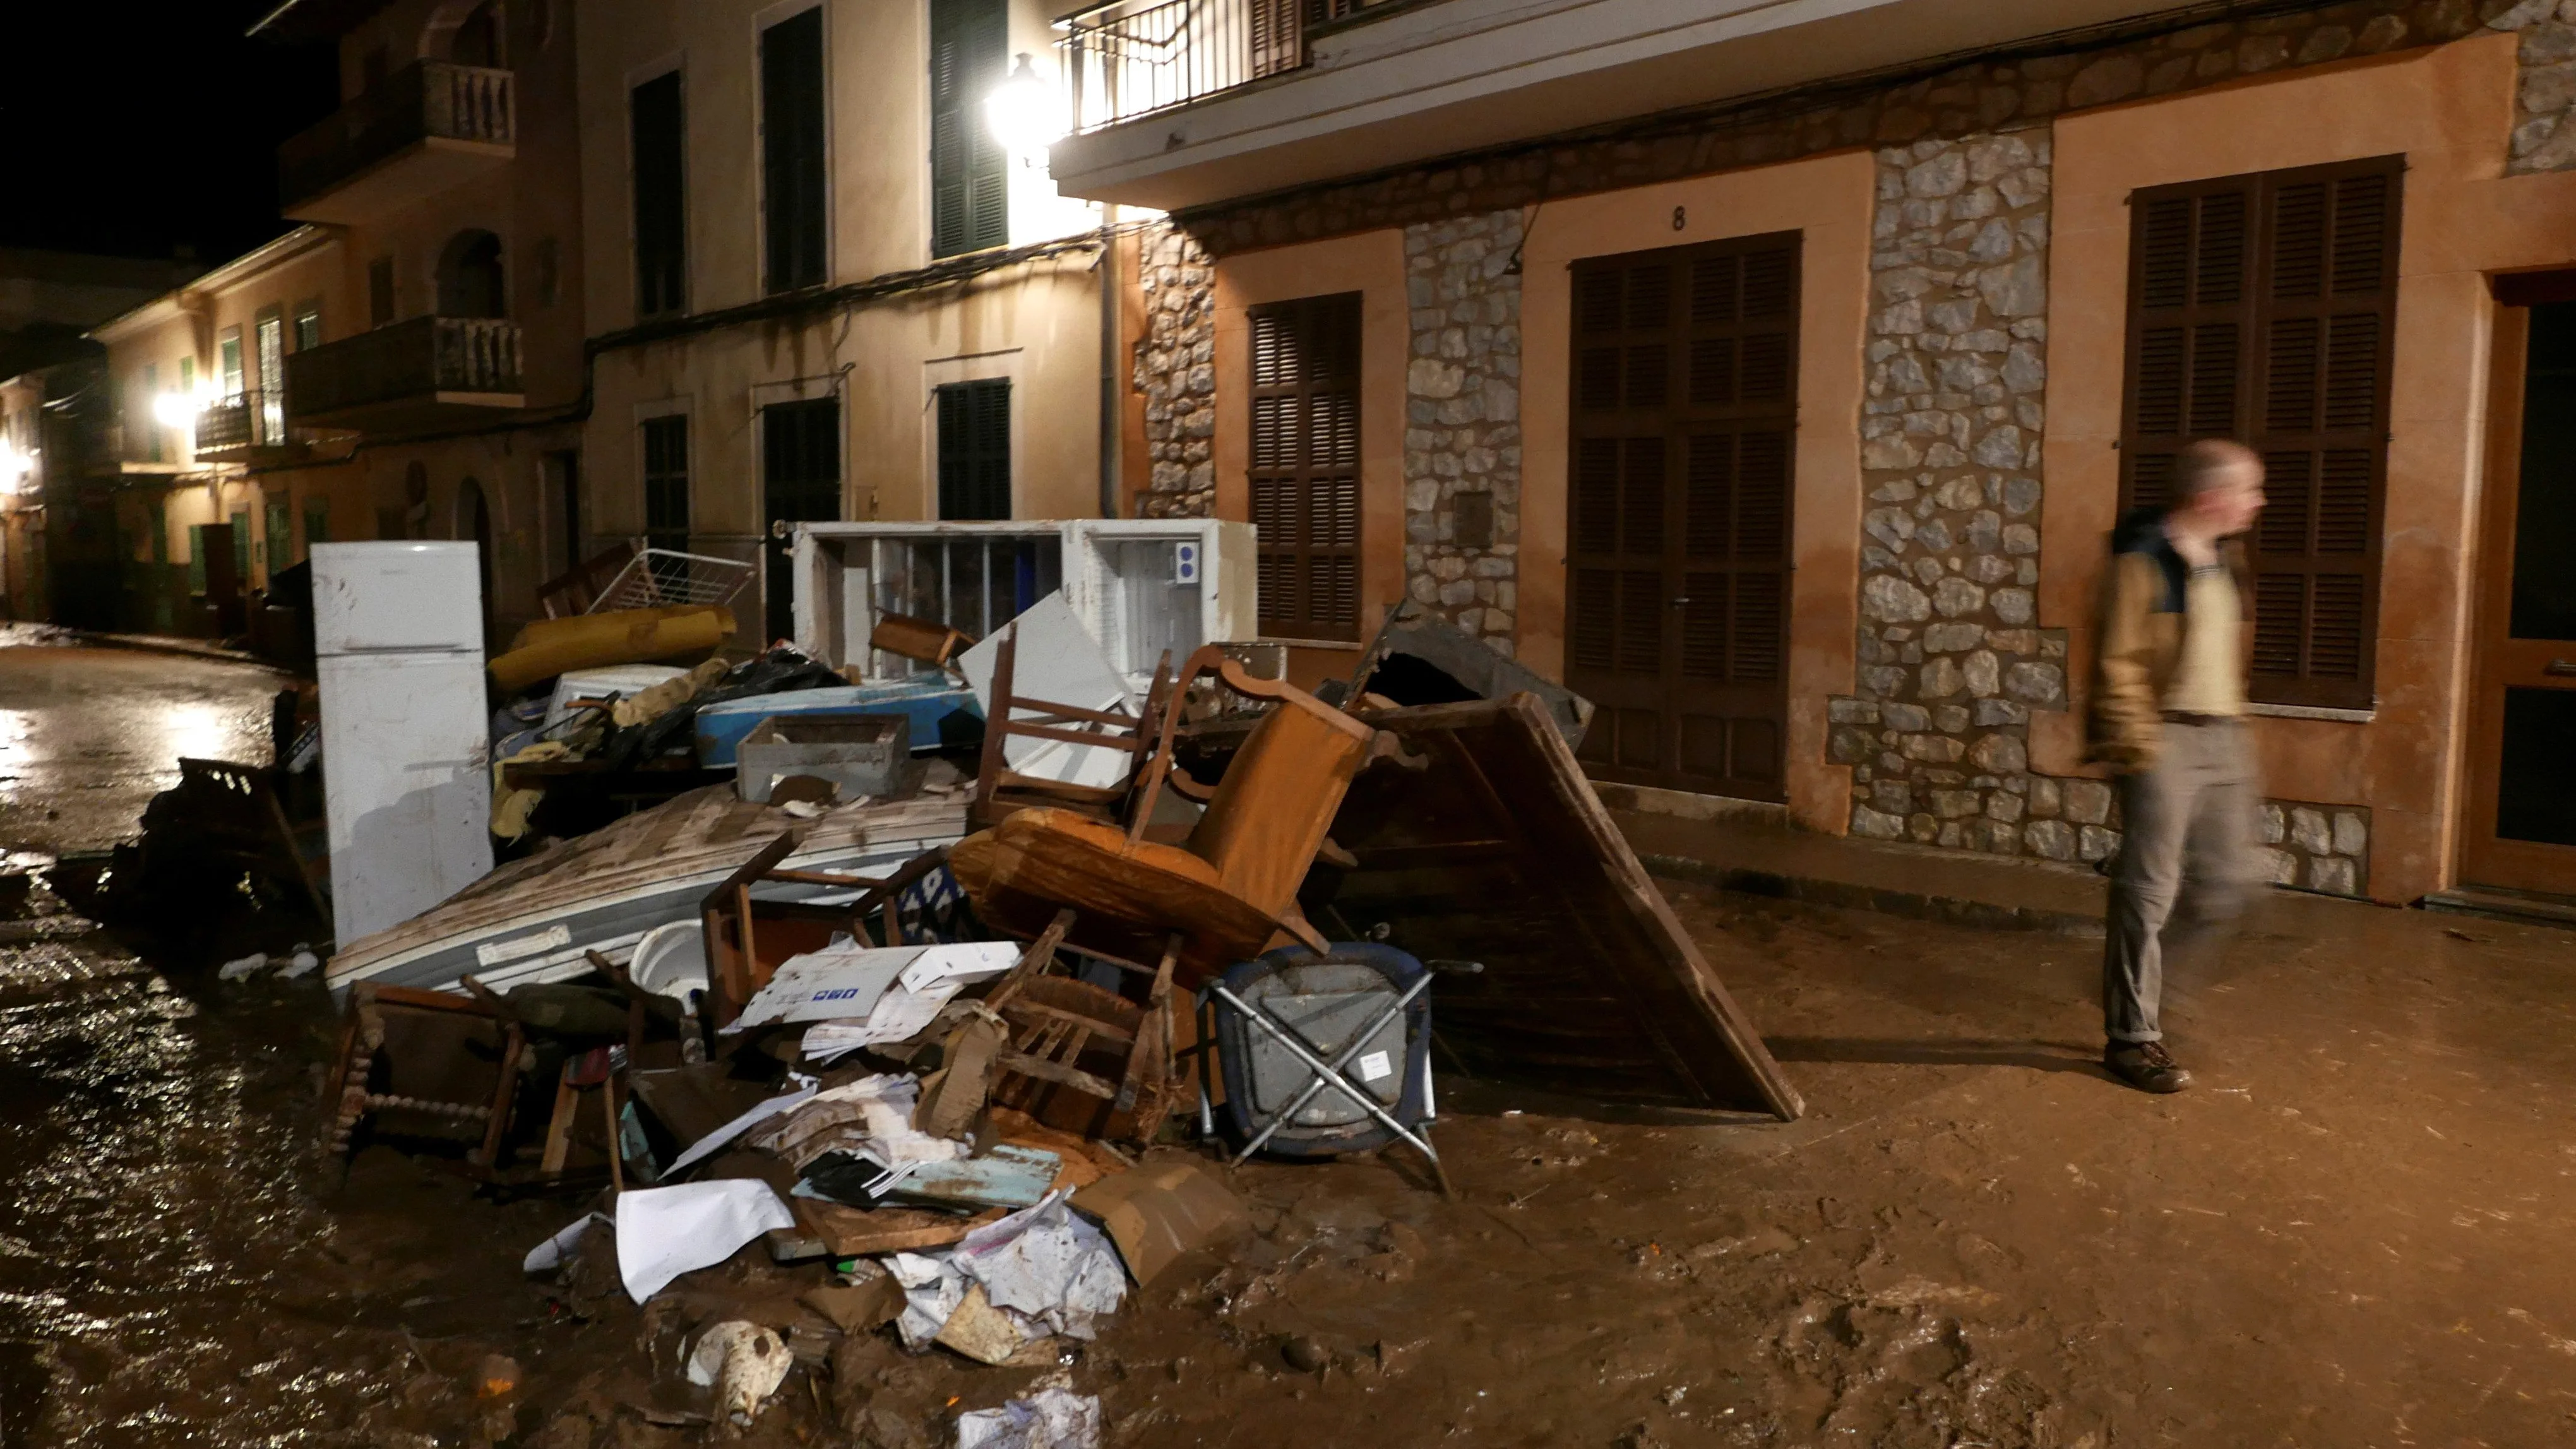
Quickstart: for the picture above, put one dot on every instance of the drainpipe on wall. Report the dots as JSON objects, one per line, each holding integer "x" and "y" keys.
{"x": 1110, "y": 420}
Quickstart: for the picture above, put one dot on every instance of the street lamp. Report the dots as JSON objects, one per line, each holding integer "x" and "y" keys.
{"x": 15, "y": 467}
{"x": 175, "y": 410}
{"x": 1023, "y": 113}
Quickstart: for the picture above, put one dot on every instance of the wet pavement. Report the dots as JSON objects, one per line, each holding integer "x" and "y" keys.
{"x": 2350, "y": 1233}
{"x": 87, "y": 735}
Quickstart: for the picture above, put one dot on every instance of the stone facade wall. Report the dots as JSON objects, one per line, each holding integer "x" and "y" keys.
{"x": 2153, "y": 55}
{"x": 2544, "y": 138}
{"x": 2317, "y": 847}
{"x": 1175, "y": 369}
{"x": 1952, "y": 658}
{"x": 1462, "y": 438}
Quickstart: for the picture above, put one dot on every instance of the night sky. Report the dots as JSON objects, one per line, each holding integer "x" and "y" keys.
{"x": 134, "y": 128}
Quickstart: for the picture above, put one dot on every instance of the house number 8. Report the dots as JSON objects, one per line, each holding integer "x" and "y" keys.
{"x": 1677, "y": 218}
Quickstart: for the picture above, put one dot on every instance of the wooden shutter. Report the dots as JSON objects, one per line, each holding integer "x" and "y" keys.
{"x": 793, "y": 185}
{"x": 1305, "y": 469}
{"x": 2263, "y": 308}
{"x": 975, "y": 449}
{"x": 658, "y": 134}
{"x": 666, "y": 481}
{"x": 969, "y": 173}
{"x": 1279, "y": 34}
{"x": 1685, "y": 411}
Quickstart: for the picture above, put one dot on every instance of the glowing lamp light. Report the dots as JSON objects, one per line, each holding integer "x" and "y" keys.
{"x": 1023, "y": 113}
{"x": 176, "y": 409}
{"x": 15, "y": 467}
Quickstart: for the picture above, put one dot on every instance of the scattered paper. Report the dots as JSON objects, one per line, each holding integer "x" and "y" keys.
{"x": 1048, "y": 1265}
{"x": 663, "y": 1232}
{"x": 744, "y": 1123}
{"x": 932, "y": 1289}
{"x": 1048, "y": 1419}
{"x": 549, "y": 1255}
{"x": 843, "y": 984}
{"x": 871, "y": 1115}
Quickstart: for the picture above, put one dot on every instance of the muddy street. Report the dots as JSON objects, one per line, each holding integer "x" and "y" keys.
{"x": 2349, "y": 1233}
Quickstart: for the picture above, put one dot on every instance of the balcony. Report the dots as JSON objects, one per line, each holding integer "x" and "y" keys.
{"x": 1193, "y": 102}
{"x": 429, "y": 372}
{"x": 427, "y": 127}
{"x": 250, "y": 428}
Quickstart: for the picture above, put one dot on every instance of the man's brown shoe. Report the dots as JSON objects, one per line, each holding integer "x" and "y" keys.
{"x": 2145, "y": 1065}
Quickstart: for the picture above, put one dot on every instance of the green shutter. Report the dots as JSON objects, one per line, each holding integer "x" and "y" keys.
{"x": 969, "y": 171}
{"x": 197, "y": 559}
{"x": 281, "y": 536}
{"x": 975, "y": 449}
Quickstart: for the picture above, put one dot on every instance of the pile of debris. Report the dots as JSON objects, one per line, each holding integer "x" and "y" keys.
{"x": 968, "y": 1046}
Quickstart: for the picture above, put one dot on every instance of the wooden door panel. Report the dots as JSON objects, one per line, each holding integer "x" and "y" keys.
{"x": 1684, "y": 407}
{"x": 2518, "y": 810}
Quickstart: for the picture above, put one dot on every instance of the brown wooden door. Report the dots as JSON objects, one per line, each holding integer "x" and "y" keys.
{"x": 2518, "y": 826}
{"x": 1685, "y": 409}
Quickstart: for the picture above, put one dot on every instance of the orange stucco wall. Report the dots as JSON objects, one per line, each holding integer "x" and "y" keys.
{"x": 1371, "y": 264}
{"x": 1828, "y": 200}
{"x": 2448, "y": 110}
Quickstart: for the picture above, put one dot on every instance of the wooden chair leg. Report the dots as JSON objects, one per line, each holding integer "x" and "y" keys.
{"x": 616, "y": 1141}
{"x": 1145, "y": 1090}
{"x": 559, "y": 1126}
{"x": 514, "y": 1044}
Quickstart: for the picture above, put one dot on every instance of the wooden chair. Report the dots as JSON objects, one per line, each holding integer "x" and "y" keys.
{"x": 574, "y": 590}
{"x": 1001, "y": 791}
{"x": 1227, "y": 890}
{"x": 1081, "y": 1057}
{"x": 747, "y": 938}
{"x": 430, "y": 1063}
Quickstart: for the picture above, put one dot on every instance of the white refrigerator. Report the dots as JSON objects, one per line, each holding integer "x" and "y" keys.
{"x": 398, "y": 646}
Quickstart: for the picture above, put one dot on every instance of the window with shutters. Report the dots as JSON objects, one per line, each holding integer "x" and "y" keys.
{"x": 800, "y": 482}
{"x": 975, "y": 449}
{"x": 658, "y": 131}
{"x": 969, "y": 171}
{"x": 792, "y": 182}
{"x": 1305, "y": 465}
{"x": 666, "y": 481}
{"x": 1685, "y": 415}
{"x": 2263, "y": 308}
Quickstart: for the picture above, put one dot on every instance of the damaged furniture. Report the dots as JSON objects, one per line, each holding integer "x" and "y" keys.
{"x": 1499, "y": 852}
{"x": 748, "y": 937}
{"x": 425, "y": 1064}
{"x": 1229, "y": 887}
{"x": 1084, "y": 736}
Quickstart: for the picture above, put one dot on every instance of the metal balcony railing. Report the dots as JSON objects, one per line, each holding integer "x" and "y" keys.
{"x": 1128, "y": 58}
{"x": 237, "y": 424}
{"x": 407, "y": 361}
{"x": 427, "y": 99}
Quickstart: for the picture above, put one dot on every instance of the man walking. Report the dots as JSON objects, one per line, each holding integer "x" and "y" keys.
{"x": 2168, "y": 694}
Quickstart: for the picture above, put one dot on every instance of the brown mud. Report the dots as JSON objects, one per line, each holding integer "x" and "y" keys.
{"x": 2351, "y": 1232}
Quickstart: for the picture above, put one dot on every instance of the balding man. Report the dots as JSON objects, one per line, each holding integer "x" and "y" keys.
{"x": 2168, "y": 694}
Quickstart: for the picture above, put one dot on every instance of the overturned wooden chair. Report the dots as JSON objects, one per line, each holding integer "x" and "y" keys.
{"x": 425, "y": 1064}
{"x": 1226, "y": 891}
{"x": 748, "y": 937}
{"x": 1001, "y": 791}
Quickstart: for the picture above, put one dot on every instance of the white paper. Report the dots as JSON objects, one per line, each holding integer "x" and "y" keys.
{"x": 1056, "y": 660}
{"x": 549, "y": 1255}
{"x": 932, "y": 1289}
{"x": 823, "y": 985}
{"x": 962, "y": 964}
{"x": 1376, "y": 1067}
{"x": 1051, "y": 1418}
{"x": 740, "y": 1125}
{"x": 663, "y": 1232}
{"x": 886, "y": 1102}
{"x": 1047, "y": 1264}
